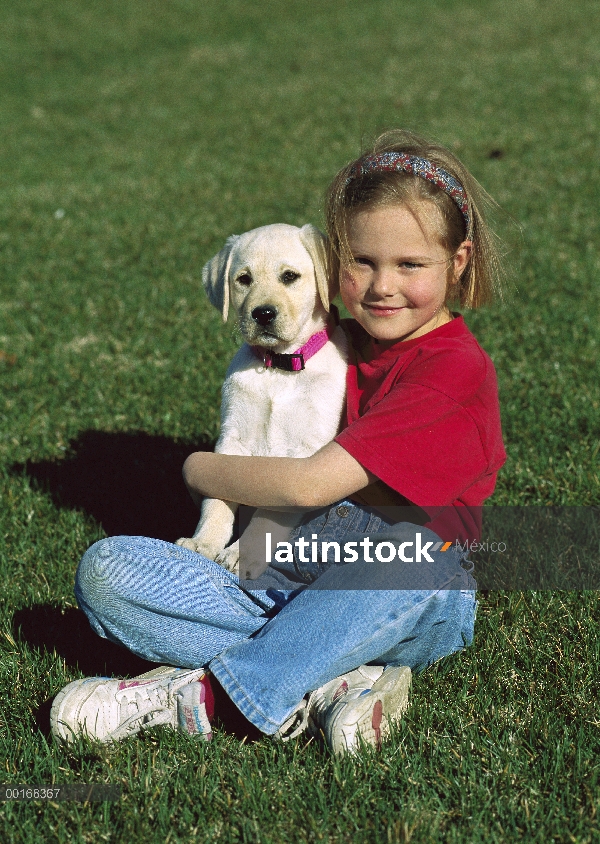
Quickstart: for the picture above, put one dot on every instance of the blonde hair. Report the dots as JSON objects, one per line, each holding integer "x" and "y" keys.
{"x": 349, "y": 193}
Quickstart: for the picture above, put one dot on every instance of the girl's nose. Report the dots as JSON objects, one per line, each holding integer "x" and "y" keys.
{"x": 383, "y": 283}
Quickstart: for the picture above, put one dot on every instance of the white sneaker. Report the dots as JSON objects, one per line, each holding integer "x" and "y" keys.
{"x": 357, "y": 706}
{"x": 110, "y": 710}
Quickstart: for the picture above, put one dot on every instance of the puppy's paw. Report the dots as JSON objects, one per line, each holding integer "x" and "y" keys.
{"x": 193, "y": 544}
{"x": 229, "y": 558}
{"x": 190, "y": 543}
{"x": 250, "y": 568}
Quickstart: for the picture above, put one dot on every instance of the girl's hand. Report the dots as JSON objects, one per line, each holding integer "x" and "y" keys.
{"x": 252, "y": 559}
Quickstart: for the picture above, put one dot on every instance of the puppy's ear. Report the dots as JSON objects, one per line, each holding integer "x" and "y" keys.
{"x": 215, "y": 277}
{"x": 315, "y": 244}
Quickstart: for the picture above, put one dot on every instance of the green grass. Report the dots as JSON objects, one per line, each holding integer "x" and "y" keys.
{"x": 136, "y": 136}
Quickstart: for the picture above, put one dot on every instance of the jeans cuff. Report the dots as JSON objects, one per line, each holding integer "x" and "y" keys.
{"x": 240, "y": 698}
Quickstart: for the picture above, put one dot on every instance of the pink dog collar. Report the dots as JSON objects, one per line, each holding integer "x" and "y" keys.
{"x": 295, "y": 361}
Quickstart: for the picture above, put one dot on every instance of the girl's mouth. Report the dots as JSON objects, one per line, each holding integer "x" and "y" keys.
{"x": 382, "y": 311}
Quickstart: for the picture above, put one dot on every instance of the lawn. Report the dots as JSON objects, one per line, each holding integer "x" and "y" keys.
{"x": 136, "y": 136}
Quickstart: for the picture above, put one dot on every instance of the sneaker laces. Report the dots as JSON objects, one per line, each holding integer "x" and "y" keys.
{"x": 297, "y": 722}
{"x": 150, "y": 709}
{"x": 304, "y": 715}
{"x": 311, "y": 711}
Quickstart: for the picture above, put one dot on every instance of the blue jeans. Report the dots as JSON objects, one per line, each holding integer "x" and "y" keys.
{"x": 301, "y": 624}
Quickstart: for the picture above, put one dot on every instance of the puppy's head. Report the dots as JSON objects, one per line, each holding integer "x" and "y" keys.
{"x": 274, "y": 279}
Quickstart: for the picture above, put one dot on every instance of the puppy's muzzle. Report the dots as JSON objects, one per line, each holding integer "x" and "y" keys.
{"x": 264, "y": 315}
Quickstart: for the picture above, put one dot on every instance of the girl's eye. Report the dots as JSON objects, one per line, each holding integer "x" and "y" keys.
{"x": 289, "y": 276}
{"x": 408, "y": 265}
{"x": 364, "y": 262}
{"x": 244, "y": 279}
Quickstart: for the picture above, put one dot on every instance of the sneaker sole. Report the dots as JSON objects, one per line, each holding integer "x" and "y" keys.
{"x": 368, "y": 717}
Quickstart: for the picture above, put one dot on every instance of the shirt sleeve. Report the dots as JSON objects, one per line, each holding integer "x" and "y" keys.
{"x": 420, "y": 442}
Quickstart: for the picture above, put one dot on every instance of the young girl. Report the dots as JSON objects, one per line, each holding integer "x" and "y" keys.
{"x": 332, "y": 644}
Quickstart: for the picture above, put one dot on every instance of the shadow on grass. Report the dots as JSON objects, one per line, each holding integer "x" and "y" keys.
{"x": 47, "y": 627}
{"x": 67, "y": 632}
{"x": 129, "y": 482}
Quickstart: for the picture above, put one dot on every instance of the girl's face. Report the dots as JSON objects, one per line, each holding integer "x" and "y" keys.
{"x": 397, "y": 285}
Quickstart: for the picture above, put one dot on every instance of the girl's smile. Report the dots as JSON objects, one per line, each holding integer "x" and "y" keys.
{"x": 398, "y": 283}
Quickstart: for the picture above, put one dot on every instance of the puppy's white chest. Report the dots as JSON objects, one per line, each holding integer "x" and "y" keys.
{"x": 266, "y": 412}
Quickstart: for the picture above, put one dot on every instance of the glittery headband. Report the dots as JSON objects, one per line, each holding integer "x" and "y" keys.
{"x": 395, "y": 161}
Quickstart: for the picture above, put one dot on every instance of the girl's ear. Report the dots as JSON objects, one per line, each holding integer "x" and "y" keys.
{"x": 215, "y": 276}
{"x": 315, "y": 244}
{"x": 461, "y": 258}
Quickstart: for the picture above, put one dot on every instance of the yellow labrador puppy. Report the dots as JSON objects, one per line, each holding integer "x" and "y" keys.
{"x": 285, "y": 388}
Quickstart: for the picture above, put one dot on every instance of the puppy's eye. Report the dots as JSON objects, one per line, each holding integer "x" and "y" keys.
{"x": 244, "y": 279}
{"x": 289, "y": 276}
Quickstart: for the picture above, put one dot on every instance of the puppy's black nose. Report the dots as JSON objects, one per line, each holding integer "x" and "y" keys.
{"x": 264, "y": 315}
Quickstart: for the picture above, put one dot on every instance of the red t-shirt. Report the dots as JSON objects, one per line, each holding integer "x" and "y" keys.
{"x": 424, "y": 417}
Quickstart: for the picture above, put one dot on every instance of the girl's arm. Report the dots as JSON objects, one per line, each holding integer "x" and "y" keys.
{"x": 298, "y": 482}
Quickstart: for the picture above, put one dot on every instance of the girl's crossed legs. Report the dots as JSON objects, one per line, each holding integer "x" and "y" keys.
{"x": 268, "y": 647}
